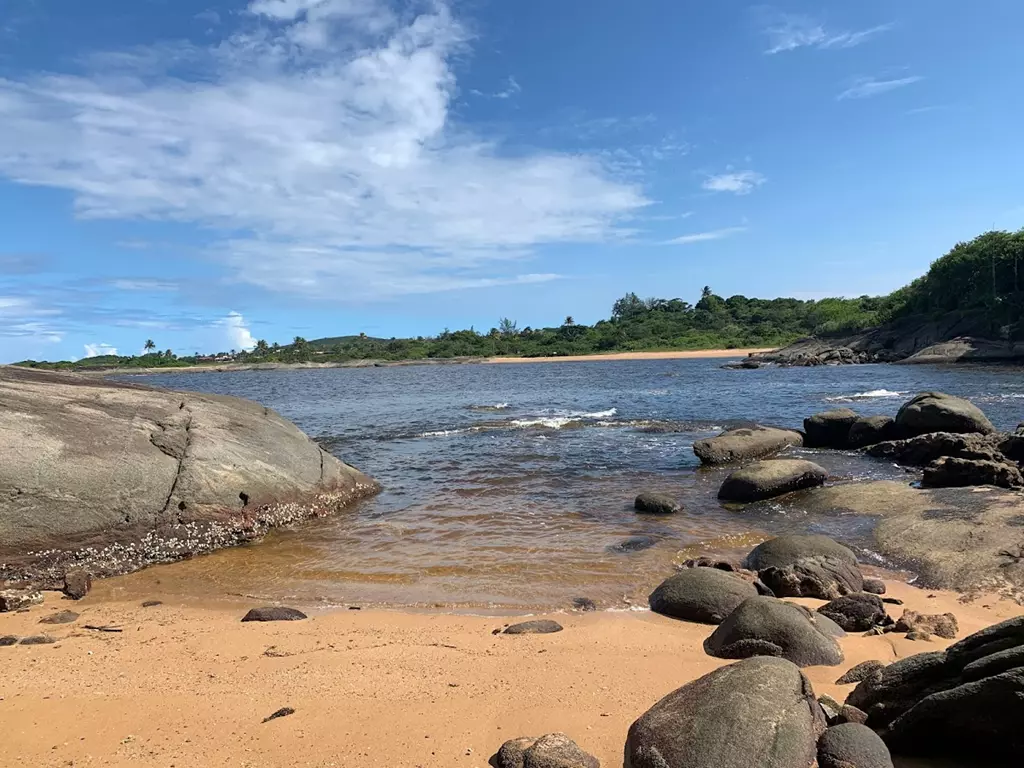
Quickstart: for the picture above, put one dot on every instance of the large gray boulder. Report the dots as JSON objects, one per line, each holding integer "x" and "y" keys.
{"x": 786, "y": 550}
{"x": 768, "y": 479}
{"x": 851, "y": 745}
{"x": 766, "y": 626}
{"x": 868, "y": 430}
{"x": 745, "y": 444}
{"x": 705, "y": 595}
{"x": 830, "y": 429}
{"x": 89, "y": 462}
{"x": 822, "y": 577}
{"x": 949, "y": 472}
{"x": 939, "y": 412}
{"x": 759, "y": 712}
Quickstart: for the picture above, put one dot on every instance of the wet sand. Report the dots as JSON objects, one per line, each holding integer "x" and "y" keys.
{"x": 188, "y": 684}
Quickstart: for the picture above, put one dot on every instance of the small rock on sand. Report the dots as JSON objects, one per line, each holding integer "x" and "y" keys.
{"x": 282, "y": 712}
{"x": 8, "y": 640}
{"x": 538, "y": 627}
{"x": 61, "y": 617}
{"x": 152, "y": 603}
{"x": 555, "y": 750}
{"x": 38, "y": 640}
{"x": 77, "y": 584}
{"x": 274, "y": 613}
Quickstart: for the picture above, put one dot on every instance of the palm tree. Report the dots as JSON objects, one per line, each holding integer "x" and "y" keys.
{"x": 570, "y": 321}
{"x": 149, "y": 346}
{"x": 261, "y": 347}
{"x": 299, "y": 342}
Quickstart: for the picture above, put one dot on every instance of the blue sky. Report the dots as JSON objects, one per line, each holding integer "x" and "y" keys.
{"x": 209, "y": 173}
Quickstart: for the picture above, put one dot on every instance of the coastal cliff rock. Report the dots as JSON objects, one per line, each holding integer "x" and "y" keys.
{"x": 114, "y": 476}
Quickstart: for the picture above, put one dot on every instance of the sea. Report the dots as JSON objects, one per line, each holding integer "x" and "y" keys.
{"x": 510, "y": 487}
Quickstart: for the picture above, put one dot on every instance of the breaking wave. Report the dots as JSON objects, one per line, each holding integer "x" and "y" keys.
{"x": 869, "y": 395}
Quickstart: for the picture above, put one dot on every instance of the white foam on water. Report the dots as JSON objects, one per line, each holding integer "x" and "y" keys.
{"x": 869, "y": 395}
{"x": 553, "y": 422}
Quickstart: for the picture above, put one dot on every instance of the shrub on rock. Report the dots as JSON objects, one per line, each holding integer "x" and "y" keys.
{"x": 759, "y": 712}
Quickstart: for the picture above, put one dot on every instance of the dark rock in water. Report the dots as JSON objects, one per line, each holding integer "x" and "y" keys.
{"x": 786, "y": 550}
{"x": 16, "y": 599}
{"x": 857, "y": 612}
{"x": 61, "y": 617}
{"x": 274, "y": 613}
{"x": 851, "y": 745}
{"x": 633, "y": 544}
{"x": 868, "y": 430}
{"x": 705, "y": 595}
{"x": 584, "y": 604}
{"x": 958, "y": 473}
{"x": 555, "y": 750}
{"x": 759, "y": 712}
{"x": 941, "y": 624}
{"x": 924, "y": 449}
{"x": 77, "y": 584}
{"x": 745, "y": 365}
{"x": 656, "y": 504}
{"x": 860, "y": 672}
{"x": 824, "y": 578}
{"x": 874, "y": 586}
{"x": 830, "y": 429}
{"x": 939, "y": 412}
{"x": 8, "y": 640}
{"x": 768, "y": 479}
{"x": 152, "y": 603}
{"x": 538, "y": 627}
{"x": 745, "y": 444}
{"x": 765, "y": 626}
{"x": 38, "y": 640}
{"x": 282, "y": 712}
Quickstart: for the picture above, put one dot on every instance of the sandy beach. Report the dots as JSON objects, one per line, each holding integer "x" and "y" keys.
{"x": 189, "y": 685}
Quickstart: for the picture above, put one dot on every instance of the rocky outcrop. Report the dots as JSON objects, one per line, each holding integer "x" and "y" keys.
{"x": 705, "y": 595}
{"x": 656, "y": 504}
{"x": 950, "y": 472}
{"x": 924, "y": 449}
{"x": 939, "y": 412}
{"x": 766, "y": 626}
{"x": 967, "y": 700}
{"x": 745, "y": 444}
{"x": 942, "y": 624}
{"x": 115, "y": 476}
{"x": 868, "y": 430}
{"x": 824, "y": 578}
{"x": 555, "y": 750}
{"x": 962, "y": 539}
{"x": 768, "y": 479}
{"x": 830, "y": 429}
{"x": 759, "y": 712}
{"x": 786, "y": 550}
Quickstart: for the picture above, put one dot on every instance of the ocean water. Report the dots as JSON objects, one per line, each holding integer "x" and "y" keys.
{"x": 510, "y": 487}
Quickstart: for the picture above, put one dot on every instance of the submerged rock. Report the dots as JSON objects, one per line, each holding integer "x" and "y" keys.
{"x": 656, "y": 504}
{"x": 759, "y": 712}
{"x": 768, "y": 479}
{"x": 633, "y": 544}
{"x": 765, "y": 626}
{"x": 745, "y": 444}
{"x": 939, "y": 412}
{"x": 830, "y": 429}
{"x": 705, "y": 595}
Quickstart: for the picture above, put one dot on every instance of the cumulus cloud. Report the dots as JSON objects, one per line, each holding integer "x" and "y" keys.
{"x": 737, "y": 182}
{"x": 866, "y": 87}
{"x": 322, "y": 131}
{"x": 237, "y": 332}
{"x": 98, "y": 350}
{"x": 703, "y": 237}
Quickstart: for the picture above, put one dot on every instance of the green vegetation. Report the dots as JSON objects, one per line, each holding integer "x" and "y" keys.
{"x": 979, "y": 281}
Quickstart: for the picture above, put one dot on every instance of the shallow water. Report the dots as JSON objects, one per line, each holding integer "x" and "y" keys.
{"x": 508, "y": 486}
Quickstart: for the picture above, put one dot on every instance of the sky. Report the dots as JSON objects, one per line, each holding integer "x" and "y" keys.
{"x": 206, "y": 174}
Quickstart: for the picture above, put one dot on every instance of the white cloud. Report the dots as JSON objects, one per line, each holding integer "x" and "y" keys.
{"x": 788, "y": 32}
{"x": 143, "y": 284}
{"x": 322, "y": 138}
{"x": 210, "y": 16}
{"x": 237, "y": 331}
{"x": 737, "y": 182}
{"x": 98, "y": 350}
{"x": 511, "y": 89}
{"x": 866, "y": 87}
{"x": 703, "y": 237}
{"x": 23, "y": 318}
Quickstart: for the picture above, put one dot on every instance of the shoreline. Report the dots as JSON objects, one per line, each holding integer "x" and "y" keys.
{"x": 191, "y": 685}
{"x": 682, "y": 354}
